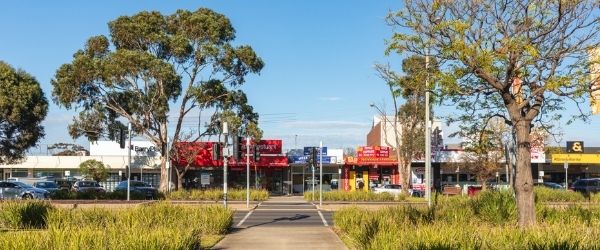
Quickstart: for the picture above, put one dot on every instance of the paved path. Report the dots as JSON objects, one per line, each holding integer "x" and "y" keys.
{"x": 282, "y": 223}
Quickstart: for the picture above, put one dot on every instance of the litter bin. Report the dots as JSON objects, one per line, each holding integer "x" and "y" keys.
{"x": 473, "y": 190}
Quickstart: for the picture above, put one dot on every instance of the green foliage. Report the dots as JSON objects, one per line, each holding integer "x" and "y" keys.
{"x": 463, "y": 223}
{"x": 157, "y": 226}
{"x": 151, "y": 60}
{"x": 217, "y": 194}
{"x": 359, "y": 196}
{"x": 24, "y": 214}
{"x": 22, "y": 109}
{"x": 94, "y": 169}
{"x": 500, "y": 59}
{"x": 116, "y": 195}
{"x": 495, "y": 207}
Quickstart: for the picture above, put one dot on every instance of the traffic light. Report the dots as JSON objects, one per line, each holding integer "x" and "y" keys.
{"x": 121, "y": 138}
{"x": 309, "y": 158}
{"x": 314, "y": 156}
{"x": 256, "y": 154}
{"x": 216, "y": 151}
{"x": 238, "y": 141}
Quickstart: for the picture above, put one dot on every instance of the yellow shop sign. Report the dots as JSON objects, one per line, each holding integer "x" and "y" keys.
{"x": 576, "y": 158}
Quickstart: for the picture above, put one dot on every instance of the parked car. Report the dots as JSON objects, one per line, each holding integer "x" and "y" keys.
{"x": 87, "y": 186}
{"x": 10, "y": 190}
{"x": 587, "y": 185}
{"x": 65, "y": 184}
{"x": 548, "y": 185}
{"x": 49, "y": 186}
{"x": 138, "y": 187}
{"x": 388, "y": 188}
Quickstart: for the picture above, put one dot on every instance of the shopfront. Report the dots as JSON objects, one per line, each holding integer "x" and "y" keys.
{"x": 269, "y": 172}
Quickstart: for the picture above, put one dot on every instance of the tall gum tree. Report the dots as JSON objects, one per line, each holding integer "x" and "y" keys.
{"x": 152, "y": 62}
{"x": 22, "y": 109}
{"x": 518, "y": 60}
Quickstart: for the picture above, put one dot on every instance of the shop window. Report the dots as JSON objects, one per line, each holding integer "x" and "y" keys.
{"x": 19, "y": 173}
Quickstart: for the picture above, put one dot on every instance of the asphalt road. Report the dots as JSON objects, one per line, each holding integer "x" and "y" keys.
{"x": 283, "y": 214}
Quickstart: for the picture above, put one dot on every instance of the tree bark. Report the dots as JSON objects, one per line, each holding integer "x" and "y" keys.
{"x": 524, "y": 181}
{"x": 164, "y": 174}
{"x": 405, "y": 171}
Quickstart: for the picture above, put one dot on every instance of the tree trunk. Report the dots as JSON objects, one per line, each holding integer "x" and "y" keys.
{"x": 523, "y": 180}
{"x": 164, "y": 174}
{"x": 180, "y": 179}
{"x": 406, "y": 174}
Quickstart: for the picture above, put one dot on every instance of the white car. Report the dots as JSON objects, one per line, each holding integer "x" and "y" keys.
{"x": 393, "y": 189}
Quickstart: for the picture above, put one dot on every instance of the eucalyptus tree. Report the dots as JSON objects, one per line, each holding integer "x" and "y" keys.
{"x": 151, "y": 63}
{"x": 23, "y": 107}
{"x": 519, "y": 60}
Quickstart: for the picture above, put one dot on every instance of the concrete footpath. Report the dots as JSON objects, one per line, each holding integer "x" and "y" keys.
{"x": 282, "y": 223}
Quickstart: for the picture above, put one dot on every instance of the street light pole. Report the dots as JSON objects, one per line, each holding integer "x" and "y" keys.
{"x": 427, "y": 135}
{"x": 225, "y": 146}
{"x": 248, "y": 171}
{"x": 320, "y": 174}
{"x": 129, "y": 162}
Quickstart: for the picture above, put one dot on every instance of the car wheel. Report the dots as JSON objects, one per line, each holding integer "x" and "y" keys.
{"x": 27, "y": 197}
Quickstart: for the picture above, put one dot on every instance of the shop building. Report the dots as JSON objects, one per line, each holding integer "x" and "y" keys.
{"x": 145, "y": 164}
{"x": 301, "y": 170}
{"x": 270, "y": 171}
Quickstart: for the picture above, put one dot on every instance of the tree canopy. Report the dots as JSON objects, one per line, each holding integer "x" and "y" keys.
{"x": 518, "y": 60}
{"x": 150, "y": 63}
{"x": 22, "y": 109}
{"x": 94, "y": 169}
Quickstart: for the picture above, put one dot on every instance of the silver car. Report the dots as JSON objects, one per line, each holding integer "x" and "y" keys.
{"x": 10, "y": 190}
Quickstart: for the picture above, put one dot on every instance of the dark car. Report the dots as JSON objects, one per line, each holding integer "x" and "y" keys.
{"x": 138, "y": 187}
{"x": 87, "y": 186}
{"x": 65, "y": 184}
{"x": 548, "y": 185}
{"x": 49, "y": 186}
{"x": 587, "y": 185}
{"x": 10, "y": 190}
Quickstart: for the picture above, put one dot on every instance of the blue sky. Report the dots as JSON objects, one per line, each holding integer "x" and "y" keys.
{"x": 318, "y": 78}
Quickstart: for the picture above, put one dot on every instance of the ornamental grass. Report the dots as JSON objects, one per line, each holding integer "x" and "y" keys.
{"x": 488, "y": 221}
{"x": 156, "y": 226}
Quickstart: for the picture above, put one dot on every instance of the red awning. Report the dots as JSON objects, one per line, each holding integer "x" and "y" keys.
{"x": 201, "y": 154}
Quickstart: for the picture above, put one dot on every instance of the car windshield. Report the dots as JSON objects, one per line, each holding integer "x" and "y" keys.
{"x": 21, "y": 184}
{"x": 45, "y": 184}
{"x": 393, "y": 186}
{"x": 139, "y": 184}
{"x": 553, "y": 185}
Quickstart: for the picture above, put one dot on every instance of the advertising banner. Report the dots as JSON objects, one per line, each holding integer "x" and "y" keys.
{"x": 373, "y": 151}
{"x": 576, "y": 158}
{"x": 273, "y": 147}
{"x": 308, "y": 149}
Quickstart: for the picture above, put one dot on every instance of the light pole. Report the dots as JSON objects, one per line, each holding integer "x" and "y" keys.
{"x": 248, "y": 171}
{"x": 427, "y": 135}
{"x": 129, "y": 161}
{"x": 320, "y": 174}
{"x": 225, "y": 146}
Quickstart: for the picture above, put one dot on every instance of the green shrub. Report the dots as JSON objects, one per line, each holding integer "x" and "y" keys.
{"x": 116, "y": 195}
{"x": 217, "y": 194}
{"x": 357, "y": 196}
{"x": 496, "y": 207}
{"x": 544, "y": 194}
{"x": 463, "y": 223}
{"x": 24, "y": 214}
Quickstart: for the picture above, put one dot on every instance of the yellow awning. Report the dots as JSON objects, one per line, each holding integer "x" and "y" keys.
{"x": 576, "y": 158}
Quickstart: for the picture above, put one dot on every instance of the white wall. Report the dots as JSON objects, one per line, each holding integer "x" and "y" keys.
{"x": 111, "y": 148}
{"x": 72, "y": 162}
